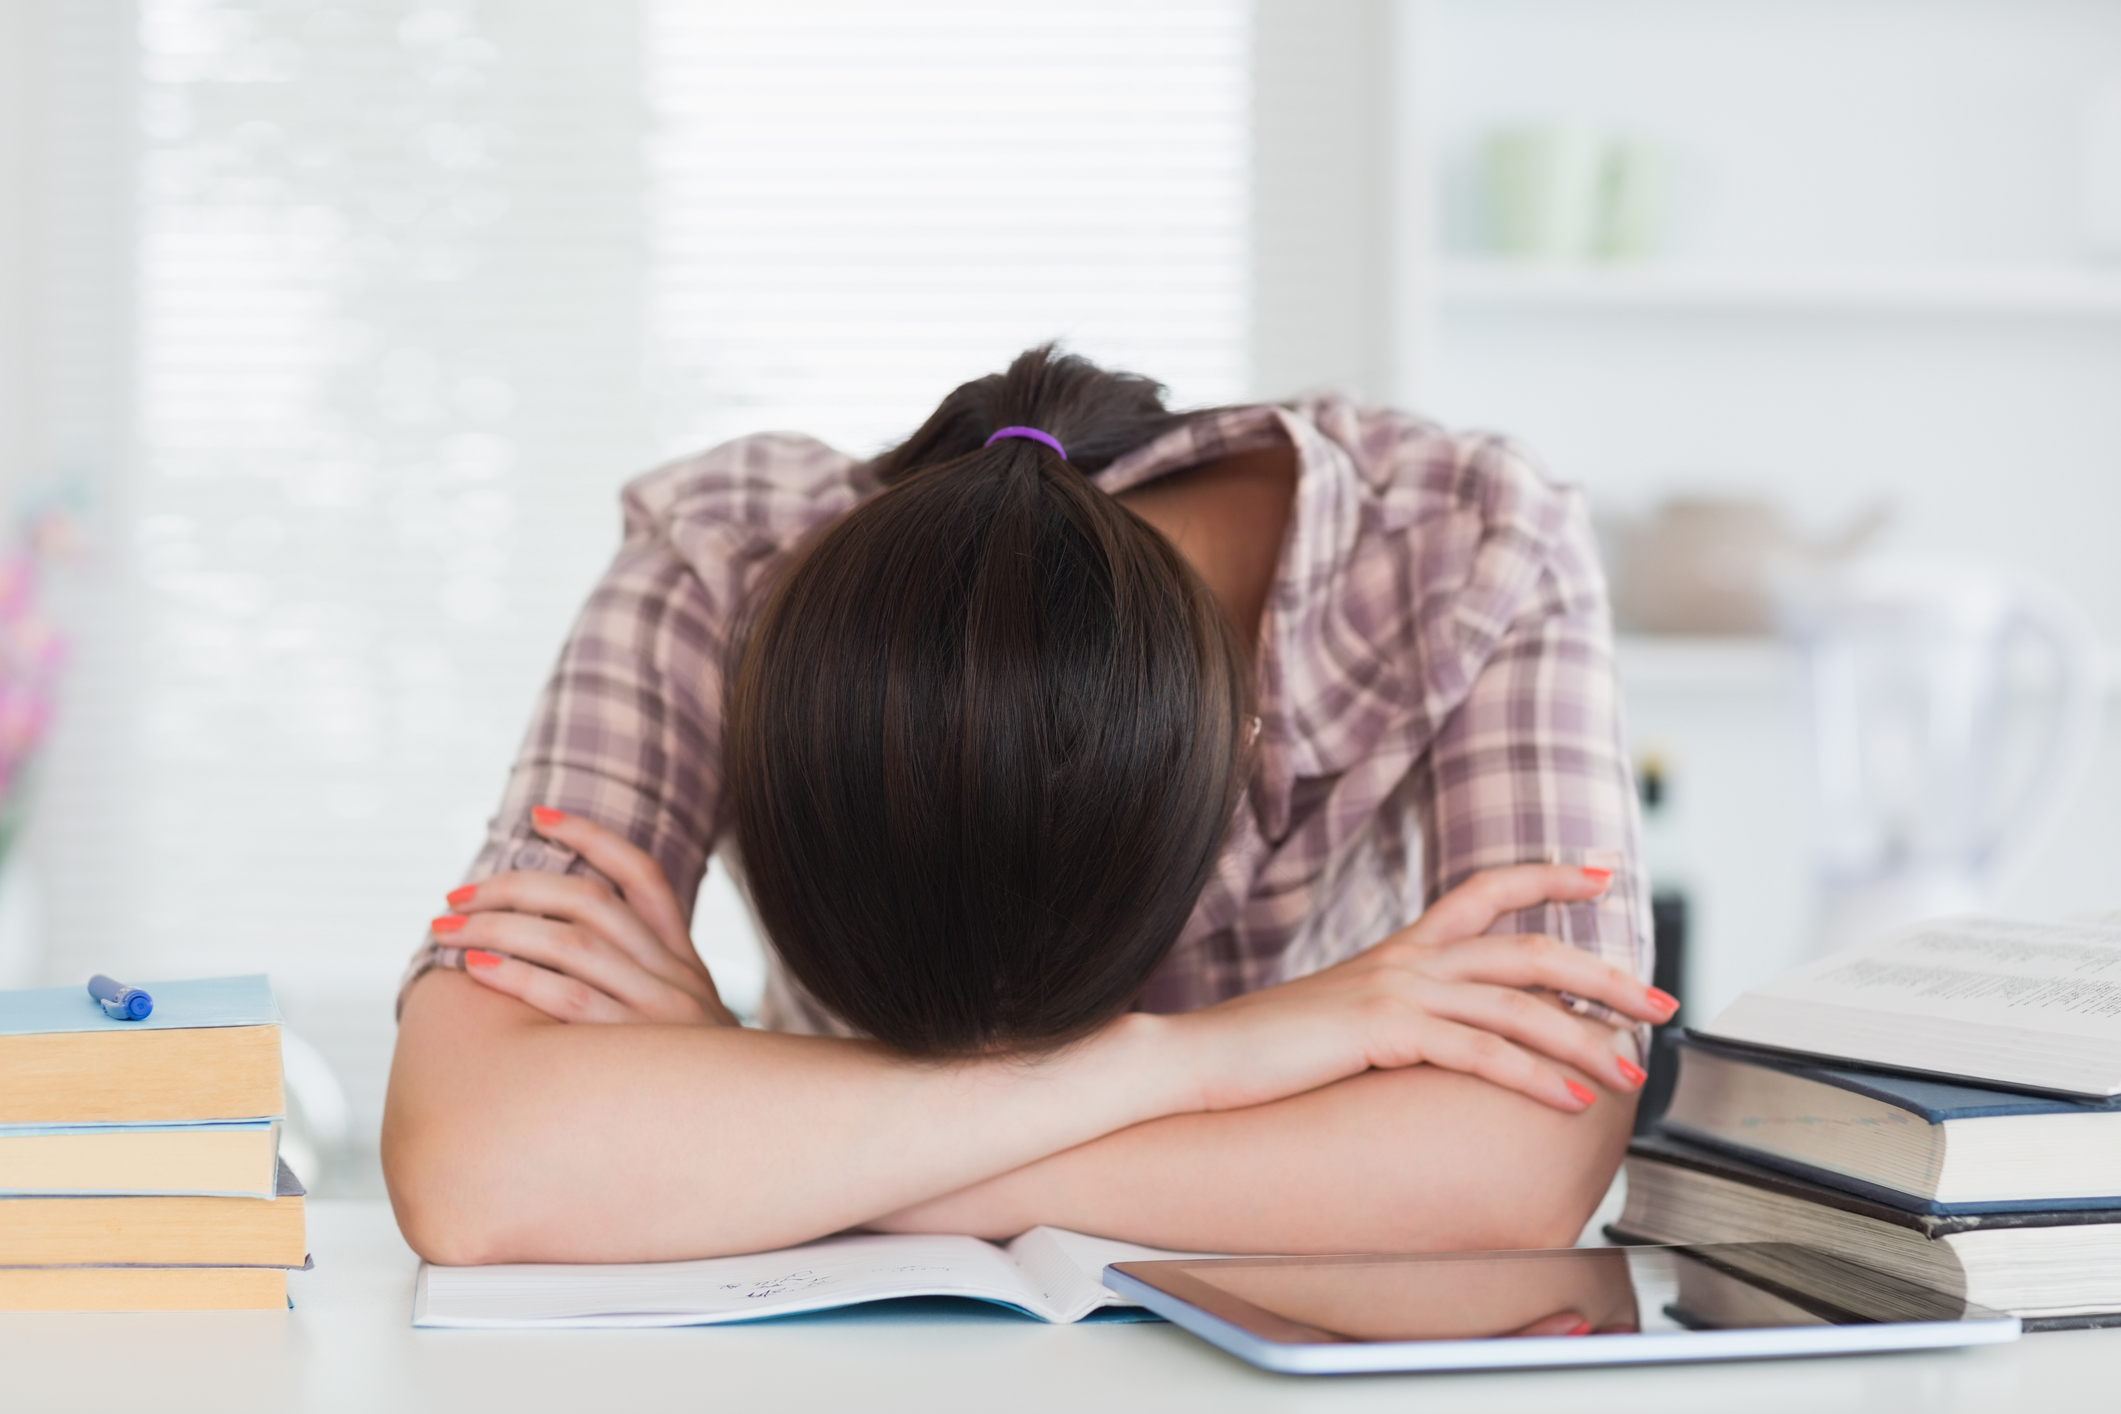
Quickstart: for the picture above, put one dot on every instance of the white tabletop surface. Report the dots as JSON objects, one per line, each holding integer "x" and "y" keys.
{"x": 349, "y": 1344}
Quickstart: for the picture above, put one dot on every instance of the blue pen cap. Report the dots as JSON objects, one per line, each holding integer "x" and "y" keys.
{"x": 120, "y": 1002}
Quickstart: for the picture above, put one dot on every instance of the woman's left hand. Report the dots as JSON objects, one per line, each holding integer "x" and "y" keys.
{"x": 573, "y": 948}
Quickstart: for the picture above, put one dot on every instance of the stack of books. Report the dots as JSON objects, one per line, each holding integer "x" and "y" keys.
{"x": 1941, "y": 1106}
{"x": 139, "y": 1160}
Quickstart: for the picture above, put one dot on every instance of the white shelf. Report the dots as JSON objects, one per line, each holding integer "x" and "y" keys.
{"x": 1665, "y": 663}
{"x": 2055, "y": 291}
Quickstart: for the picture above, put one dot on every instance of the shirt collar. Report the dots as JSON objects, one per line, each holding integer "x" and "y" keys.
{"x": 1292, "y": 658}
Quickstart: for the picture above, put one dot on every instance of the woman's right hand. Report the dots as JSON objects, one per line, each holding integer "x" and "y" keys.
{"x": 579, "y": 950}
{"x": 1439, "y": 992}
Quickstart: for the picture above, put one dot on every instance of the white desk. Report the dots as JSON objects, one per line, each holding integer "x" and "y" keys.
{"x": 349, "y": 1345}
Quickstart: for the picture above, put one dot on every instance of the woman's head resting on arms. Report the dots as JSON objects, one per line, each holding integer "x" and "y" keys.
{"x": 986, "y": 732}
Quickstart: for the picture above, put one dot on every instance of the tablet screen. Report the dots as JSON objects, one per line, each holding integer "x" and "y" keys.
{"x": 1585, "y": 1292}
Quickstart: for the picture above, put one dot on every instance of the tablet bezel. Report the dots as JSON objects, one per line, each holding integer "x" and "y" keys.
{"x": 1274, "y": 1342}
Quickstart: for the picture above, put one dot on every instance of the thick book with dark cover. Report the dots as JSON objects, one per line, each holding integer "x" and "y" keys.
{"x": 211, "y": 1050}
{"x": 2059, "y": 1266}
{"x": 1924, "y": 1145}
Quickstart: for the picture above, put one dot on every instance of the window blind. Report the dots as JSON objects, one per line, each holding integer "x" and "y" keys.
{"x": 855, "y": 207}
{"x": 418, "y": 285}
{"x": 387, "y": 289}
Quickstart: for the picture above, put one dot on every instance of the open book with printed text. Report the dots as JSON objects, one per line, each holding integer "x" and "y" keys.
{"x": 2033, "y": 1006}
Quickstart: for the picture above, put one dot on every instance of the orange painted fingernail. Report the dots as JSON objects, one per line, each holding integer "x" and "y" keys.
{"x": 1580, "y": 1328}
{"x": 1581, "y": 1092}
{"x": 479, "y": 957}
{"x": 1659, "y": 997}
{"x": 463, "y": 895}
{"x": 1597, "y": 876}
{"x": 447, "y": 923}
{"x": 1636, "y": 1074}
{"x": 545, "y": 816}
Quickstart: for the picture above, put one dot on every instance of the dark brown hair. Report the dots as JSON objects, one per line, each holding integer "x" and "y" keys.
{"x": 985, "y": 733}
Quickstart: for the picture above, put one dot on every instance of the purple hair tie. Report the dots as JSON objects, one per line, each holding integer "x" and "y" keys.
{"x": 1030, "y": 434}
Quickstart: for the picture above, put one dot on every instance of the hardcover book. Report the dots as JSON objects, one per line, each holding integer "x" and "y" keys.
{"x": 2058, "y": 1267}
{"x": 1926, "y": 1145}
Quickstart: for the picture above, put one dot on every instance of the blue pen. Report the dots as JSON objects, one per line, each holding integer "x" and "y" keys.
{"x": 120, "y": 1002}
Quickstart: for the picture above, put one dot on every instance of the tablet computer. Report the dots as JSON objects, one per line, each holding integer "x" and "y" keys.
{"x": 1579, "y": 1306}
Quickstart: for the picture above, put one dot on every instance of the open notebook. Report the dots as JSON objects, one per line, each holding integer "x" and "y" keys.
{"x": 1047, "y": 1272}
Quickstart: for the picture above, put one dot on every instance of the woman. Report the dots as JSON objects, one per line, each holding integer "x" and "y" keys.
{"x": 1075, "y": 756}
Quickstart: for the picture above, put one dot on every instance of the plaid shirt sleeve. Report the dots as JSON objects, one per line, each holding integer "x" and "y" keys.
{"x": 627, "y": 731}
{"x": 1530, "y": 766}
{"x": 623, "y": 734}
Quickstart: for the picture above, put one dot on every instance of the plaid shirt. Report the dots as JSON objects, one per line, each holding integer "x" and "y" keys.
{"x": 1436, "y": 692}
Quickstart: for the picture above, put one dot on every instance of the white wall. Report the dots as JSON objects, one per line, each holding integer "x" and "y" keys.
{"x": 1339, "y": 197}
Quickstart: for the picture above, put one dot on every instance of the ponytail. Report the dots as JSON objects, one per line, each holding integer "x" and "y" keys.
{"x": 985, "y": 734}
{"x": 1098, "y": 416}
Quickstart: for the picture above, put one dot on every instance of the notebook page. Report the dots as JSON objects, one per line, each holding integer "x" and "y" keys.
{"x": 838, "y": 1271}
{"x": 1067, "y": 1268}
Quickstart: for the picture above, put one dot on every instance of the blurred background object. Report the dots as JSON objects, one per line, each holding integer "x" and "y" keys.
{"x": 1544, "y": 184}
{"x": 31, "y": 653}
{"x": 1955, "y": 712}
{"x": 1664, "y": 850}
{"x": 319, "y": 1133}
{"x": 339, "y": 324}
{"x": 1717, "y": 566}
{"x": 1565, "y": 190}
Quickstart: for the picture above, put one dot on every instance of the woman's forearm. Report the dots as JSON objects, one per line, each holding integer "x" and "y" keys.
{"x": 1420, "y": 1159}
{"x": 511, "y": 1137}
